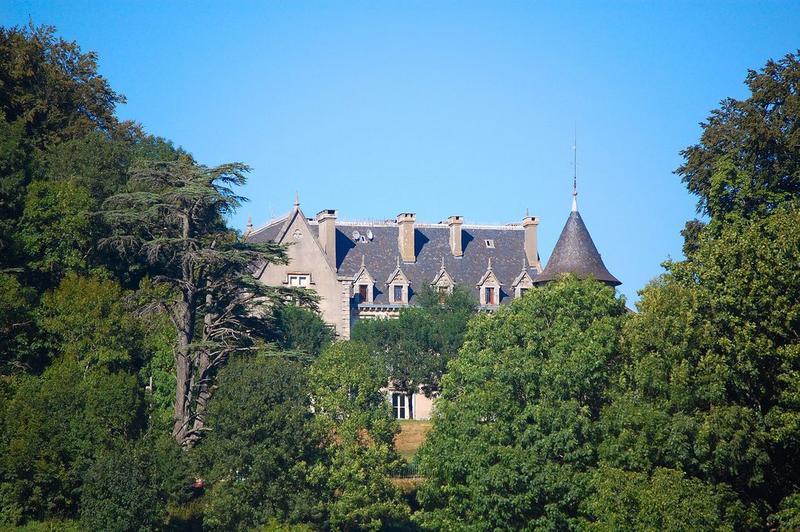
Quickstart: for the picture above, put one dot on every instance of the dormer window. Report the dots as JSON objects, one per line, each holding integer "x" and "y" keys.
{"x": 489, "y": 295}
{"x": 398, "y": 294}
{"x": 398, "y": 285}
{"x": 489, "y": 243}
{"x": 442, "y": 283}
{"x": 364, "y": 284}
{"x": 489, "y": 288}
{"x": 523, "y": 281}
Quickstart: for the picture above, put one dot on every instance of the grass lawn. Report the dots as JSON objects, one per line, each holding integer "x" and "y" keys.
{"x": 412, "y": 434}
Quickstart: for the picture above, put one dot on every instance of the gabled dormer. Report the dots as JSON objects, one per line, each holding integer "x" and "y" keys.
{"x": 443, "y": 283}
{"x": 363, "y": 285}
{"x": 523, "y": 282}
{"x": 305, "y": 248}
{"x": 398, "y": 285}
{"x": 489, "y": 288}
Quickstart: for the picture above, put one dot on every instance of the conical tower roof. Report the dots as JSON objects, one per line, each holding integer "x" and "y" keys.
{"x": 575, "y": 253}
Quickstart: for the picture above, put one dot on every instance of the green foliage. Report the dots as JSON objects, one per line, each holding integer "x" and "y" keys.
{"x": 416, "y": 347}
{"x": 52, "y": 525}
{"x": 119, "y": 493}
{"x": 667, "y": 500}
{"x": 172, "y": 216}
{"x": 354, "y": 416}
{"x": 159, "y": 367}
{"x": 87, "y": 319}
{"x": 347, "y": 384}
{"x": 128, "y": 487}
{"x": 95, "y": 161}
{"x": 55, "y": 229}
{"x": 15, "y": 162}
{"x": 515, "y": 427}
{"x": 788, "y": 515}
{"x": 710, "y": 386}
{"x": 746, "y": 162}
{"x": 52, "y": 427}
{"x": 261, "y": 446}
{"x": 17, "y": 329}
{"x": 302, "y": 330}
{"x": 52, "y": 87}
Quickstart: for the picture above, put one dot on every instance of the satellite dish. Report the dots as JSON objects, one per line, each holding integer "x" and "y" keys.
{"x": 370, "y": 236}
{"x": 356, "y": 235}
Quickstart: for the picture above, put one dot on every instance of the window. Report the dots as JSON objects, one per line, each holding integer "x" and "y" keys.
{"x": 489, "y": 244}
{"x": 397, "y": 292}
{"x": 362, "y": 293}
{"x": 489, "y": 295}
{"x": 399, "y": 405}
{"x": 522, "y": 291}
{"x": 442, "y": 290}
{"x": 299, "y": 280}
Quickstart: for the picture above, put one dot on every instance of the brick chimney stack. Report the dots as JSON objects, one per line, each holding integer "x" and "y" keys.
{"x": 327, "y": 234}
{"x": 454, "y": 223}
{"x": 405, "y": 236}
{"x": 531, "y": 225}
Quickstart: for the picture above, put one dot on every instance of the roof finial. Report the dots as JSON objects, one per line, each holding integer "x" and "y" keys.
{"x": 249, "y": 224}
{"x": 296, "y": 199}
{"x": 575, "y": 172}
{"x": 490, "y": 264}
{"x": 526, "y": 212}
{"x": 398, "y": 261}
{"x": 362, "y": 260}
{"x": 443, "y": 262}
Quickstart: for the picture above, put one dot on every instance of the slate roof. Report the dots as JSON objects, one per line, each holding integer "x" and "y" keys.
{"x": 269, "y": 232}
{"x": 576, "y": 253}
{"x": 432, "y": 242}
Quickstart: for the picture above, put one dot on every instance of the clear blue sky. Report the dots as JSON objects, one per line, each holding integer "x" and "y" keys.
{"x": 440, "y": 108}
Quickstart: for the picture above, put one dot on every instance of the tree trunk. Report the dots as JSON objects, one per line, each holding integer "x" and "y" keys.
{"x": 183, "y": 373}
{"x": 203, "y": 374}
{"x": 183, "y": 365}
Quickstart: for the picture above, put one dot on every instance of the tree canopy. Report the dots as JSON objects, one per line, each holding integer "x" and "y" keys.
{"x": 746, "y": 160}
{"x": 515, "y": 426}
{"x": 416, "y": 347}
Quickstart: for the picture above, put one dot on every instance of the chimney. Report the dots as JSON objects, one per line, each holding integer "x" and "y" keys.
{"x": 454, "y": 223}
{"x": 531, "y": 223}
{"x": 405, "y": 236}
{"x": 327, "y": 234}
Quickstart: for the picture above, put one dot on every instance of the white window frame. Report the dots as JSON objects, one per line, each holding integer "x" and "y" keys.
{"x": 303, "y": 280}
{"x": 400, "y": 404}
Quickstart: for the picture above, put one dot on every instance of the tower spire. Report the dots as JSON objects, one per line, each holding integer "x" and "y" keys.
{"x": 575, "y": 173}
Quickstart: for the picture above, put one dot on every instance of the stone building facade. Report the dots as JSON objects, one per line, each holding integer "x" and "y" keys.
{"x": 369, "y": 270}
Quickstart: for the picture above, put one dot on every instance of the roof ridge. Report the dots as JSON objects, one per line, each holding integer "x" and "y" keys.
{"x": 440, "y": 225}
